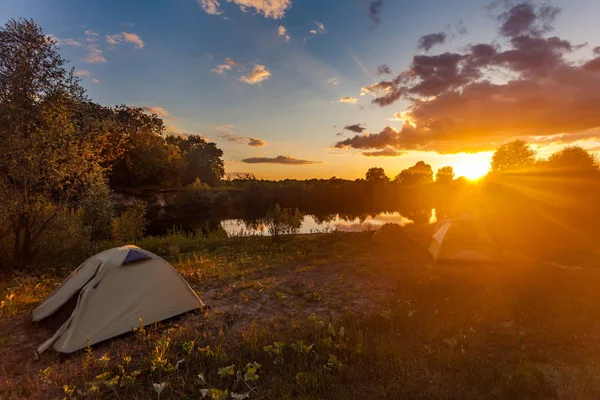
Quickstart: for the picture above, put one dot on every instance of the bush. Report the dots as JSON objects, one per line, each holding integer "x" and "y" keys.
{"x": 283, "y": 221}
{"x": 65, "y": 243}
{"x": 97, "y": 210}
{"x": 131, "y": 225}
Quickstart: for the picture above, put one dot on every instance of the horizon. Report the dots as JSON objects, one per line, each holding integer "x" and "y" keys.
{"x": 295, "y": 91}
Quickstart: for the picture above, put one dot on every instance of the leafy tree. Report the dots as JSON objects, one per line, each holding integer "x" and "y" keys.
{"x": 145, "y": 157}
{"x": 202, "y": 159}
{"x": 376, "y": 175}
{"x": 513, "y": 155}
{"x": 419, "y": 173}
{"x": 45, "y": 161}
{"x": 573, "y": 160}
{"x": 445, "y": 175}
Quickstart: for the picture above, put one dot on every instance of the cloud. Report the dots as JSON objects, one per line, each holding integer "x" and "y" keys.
{"x": 383, "y": 70}
{"x": 119, "y": 38}
{"x": 82, "y": 72}
{"x": 274, "y": 9}
{"x": 525, "y": 86}
{"x": 94, "y": 80}
{"x": 281, "y": 31}
{"x": 357, "y": 128}
{"x": 227, "y": 134}
{"x": 426, "y": 42}
{"x": 155, "y": 110}
{"x": 596, "y": 50}
{"x": 378, "y": 89}
{"x": 94, "y": 54}
{"x": 258, "y": 74}
{"x": 388, "y": 152}
{"x": 133, "y": 38}
{"x": 227, "y": 66}
{"x": 525, "y": 19}
{"x": 255, "y": 142}
{"x": 348, "y": 99}
{"x": 66, "y": 42}
{"x": 375, "y": 8}
{"x": 210, "y": 6}
{"x": 319, "y": 30}
{"x": 284, "y": 160}
{"x": 333, "y": 81}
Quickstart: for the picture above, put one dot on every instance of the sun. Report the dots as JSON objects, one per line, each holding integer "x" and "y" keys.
{"x": 472, "y": 166}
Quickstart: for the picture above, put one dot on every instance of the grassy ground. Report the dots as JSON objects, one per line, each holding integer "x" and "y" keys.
{"x": 329, "y": 317}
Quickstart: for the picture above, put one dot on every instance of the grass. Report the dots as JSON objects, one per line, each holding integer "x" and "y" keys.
{"x": 329, "y": 316}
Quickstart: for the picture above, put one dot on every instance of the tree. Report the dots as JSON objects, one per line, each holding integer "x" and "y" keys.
{"x": 145, "y": 157}
{"x": 45, "y": 161}
{"x": 445, "y": 175}
{"x": 376, "y": 175}
{"x": 573, "y": 160}
{"x": 513, "y": 155}
{"x": 420, "y": 173}
{"x": 201, "y": 159}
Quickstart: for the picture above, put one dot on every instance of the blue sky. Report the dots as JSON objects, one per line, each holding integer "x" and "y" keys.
{"x": 163, "y": 54}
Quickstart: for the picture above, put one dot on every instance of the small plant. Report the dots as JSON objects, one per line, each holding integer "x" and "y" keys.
{"x": 283, "y": 221}
{"x": 131, "y": 225}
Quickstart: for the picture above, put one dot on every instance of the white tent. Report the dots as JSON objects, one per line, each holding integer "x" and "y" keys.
{"x": 463, "y": 239}
{"x": 114, "y": 291}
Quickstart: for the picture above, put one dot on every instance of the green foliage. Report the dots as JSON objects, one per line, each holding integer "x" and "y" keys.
{"x": 203, "y": 160}
{"x": 283, "y": 221}
{"x": 97, "y": 210}
{"x": 131, "y": 224}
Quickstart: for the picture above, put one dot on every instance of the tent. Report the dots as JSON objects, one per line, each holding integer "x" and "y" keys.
{"x": 463, "y": 239}
{"x": 393, "y": 235}
{"x": 112, "y": 293}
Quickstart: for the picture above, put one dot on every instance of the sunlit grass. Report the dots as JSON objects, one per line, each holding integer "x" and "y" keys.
{"x": 329, "y": 316}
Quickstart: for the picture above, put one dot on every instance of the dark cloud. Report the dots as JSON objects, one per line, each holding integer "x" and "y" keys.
{"x": 375, "y": 8}
{"x": 428, "y": 41}
{"x": 475, "y": 99}
{"x": 389, "y": 137}
{"x": 357, "y": 128}
{"x": 230, "y": 137}
{"x": 285, "y": 160}
{"x": 525, "y": 19}
{"x": 255, "y": 142}
{"x": 383, "y": 70}
{"x": 384, "y": 153}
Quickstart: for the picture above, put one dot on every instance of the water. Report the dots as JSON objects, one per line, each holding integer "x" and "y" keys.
{"x": 237, "y": 227}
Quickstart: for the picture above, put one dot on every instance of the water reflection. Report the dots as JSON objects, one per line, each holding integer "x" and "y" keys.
{"x": 331, "y": 222}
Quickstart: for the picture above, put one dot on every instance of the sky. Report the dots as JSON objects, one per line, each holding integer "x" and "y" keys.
{"x": 308, "y": 88}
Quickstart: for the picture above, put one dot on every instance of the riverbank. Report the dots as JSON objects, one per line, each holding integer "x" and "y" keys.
{"x": 330, "y": 316}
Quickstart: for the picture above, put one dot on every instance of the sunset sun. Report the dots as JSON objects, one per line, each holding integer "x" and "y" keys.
{"x": 472, "y": 166}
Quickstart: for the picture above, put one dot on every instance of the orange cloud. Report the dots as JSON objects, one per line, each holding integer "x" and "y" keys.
{"x": 258, "y": 74}
{"x": 475, "y": 99}
{"x": 348, "y": 99}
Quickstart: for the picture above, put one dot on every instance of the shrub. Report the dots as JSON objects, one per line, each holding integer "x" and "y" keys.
{"x": 65, "y": 243}
{"x": 97, "y": 210}
{"x": 131, "y": 225}
{"x": 283, "y": 221}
